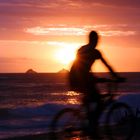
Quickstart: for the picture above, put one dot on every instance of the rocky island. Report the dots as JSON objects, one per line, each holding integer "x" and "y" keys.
{"x": 30, "y": 71}
{"x": 63, "y": 71}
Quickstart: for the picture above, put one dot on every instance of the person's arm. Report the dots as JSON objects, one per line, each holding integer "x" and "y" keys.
{"x": 109, "y": 67}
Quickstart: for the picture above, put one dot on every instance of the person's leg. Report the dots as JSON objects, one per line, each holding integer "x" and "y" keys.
{"x": 94, "y": 111}
{"x": 93, "y": 107}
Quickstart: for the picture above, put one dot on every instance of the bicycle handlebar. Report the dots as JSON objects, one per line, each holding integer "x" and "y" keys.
{"x": 106, "y": 80}
{"x": 112, "y": 86}
{"x": 120, "y": 80}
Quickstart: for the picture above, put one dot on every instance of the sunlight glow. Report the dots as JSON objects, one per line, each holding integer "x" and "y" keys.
{"x": 66, "y": 52}
{"x": 65, "y": 55}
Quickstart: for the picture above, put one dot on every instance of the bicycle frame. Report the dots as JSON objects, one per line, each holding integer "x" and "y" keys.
{"x": 106, "y": 99}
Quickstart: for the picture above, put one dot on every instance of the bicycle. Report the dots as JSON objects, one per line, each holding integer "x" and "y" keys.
{"x": 116, "y": 121}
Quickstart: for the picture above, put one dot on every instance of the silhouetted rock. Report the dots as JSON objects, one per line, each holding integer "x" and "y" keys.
{"x": 31, "y": 71}
{"x": 63, "y": 71}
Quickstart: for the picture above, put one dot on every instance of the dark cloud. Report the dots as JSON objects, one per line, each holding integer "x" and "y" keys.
{"x": 130, "y": 3}
{"x": 118, "y": 3}
{"x": 43, "y": 6}
{"x": 63, "y": 7}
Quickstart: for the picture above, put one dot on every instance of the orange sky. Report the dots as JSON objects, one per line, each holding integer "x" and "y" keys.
{"x": 44, "y": 35}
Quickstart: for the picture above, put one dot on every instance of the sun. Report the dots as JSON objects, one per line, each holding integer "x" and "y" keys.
{"x": 65, "y": 55}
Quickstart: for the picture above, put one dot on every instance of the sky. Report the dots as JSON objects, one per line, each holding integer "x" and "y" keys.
{"x": 45, "y": 34}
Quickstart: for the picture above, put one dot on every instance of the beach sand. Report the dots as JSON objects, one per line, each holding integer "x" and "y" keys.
{"x": 47, "y": 136}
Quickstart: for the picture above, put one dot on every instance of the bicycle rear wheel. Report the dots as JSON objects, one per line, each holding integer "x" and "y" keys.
{"x": 120, "y": 122}
{"x": 67, "y": 125}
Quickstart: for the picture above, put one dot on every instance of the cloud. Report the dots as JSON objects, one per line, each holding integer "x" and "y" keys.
{"x": 19, "y": 43}
{"x": 34, "y": 15}
{"x": 117, "y": 33}
{"x": 104, "y": 30}
{"x": 72, "y": 3}
{"x": 63, "y": 44}
{"x": 45, "y": 7}
{"x": 15, "y": 60}
{"x": 115, "y": 3}
{"x": 37, "y": 5}
{"x": 56, "y": 31}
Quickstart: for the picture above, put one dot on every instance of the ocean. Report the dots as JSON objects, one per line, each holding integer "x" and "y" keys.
{"x": 28, "y": 102}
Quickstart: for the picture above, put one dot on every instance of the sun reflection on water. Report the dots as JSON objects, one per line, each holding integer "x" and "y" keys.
{"x": 73, "y": 101}
{"x": 73, "y": 97}
{"x": 72, "y": 93}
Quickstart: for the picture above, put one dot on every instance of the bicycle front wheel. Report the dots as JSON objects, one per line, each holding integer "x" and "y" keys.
{"x": 66, "y": 125}
{"x": 120, "y": 122}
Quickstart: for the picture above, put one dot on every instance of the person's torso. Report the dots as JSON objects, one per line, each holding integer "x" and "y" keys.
{"x": 86, "y": 57}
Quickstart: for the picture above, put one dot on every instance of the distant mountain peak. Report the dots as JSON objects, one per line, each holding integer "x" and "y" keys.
{"x": 30, "y": 71}
{"x": 63, "y": 71}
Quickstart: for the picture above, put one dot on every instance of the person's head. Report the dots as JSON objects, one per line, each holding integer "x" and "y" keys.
{"x": 93, "y": 38}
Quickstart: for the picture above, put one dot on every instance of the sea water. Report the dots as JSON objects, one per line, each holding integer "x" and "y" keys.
{"x": 28, "y": 102}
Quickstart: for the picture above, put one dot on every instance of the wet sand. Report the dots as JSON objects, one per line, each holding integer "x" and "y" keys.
{"x": 47, "y": 136}
{"x": 31, "y": 137}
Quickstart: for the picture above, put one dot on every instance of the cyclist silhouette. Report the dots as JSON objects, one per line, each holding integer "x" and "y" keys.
{"x": 81, "y": 78}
